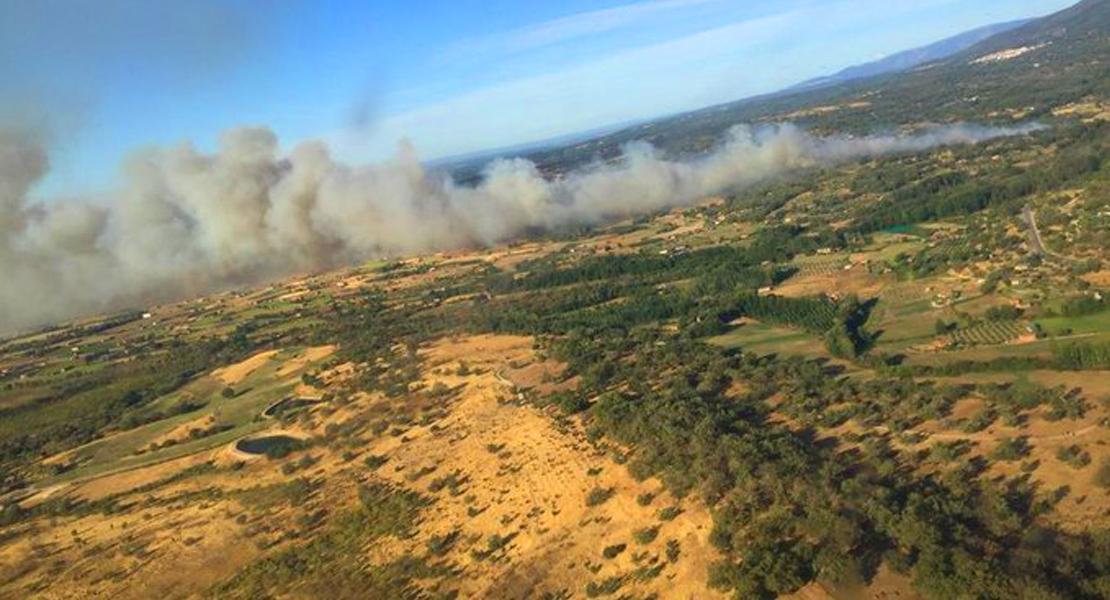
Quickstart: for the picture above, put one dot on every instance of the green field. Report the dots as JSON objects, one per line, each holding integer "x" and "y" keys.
{"x": 117, "y": 452}
{"x": 1077, "y": 325}
{"x": 757, "y": 337}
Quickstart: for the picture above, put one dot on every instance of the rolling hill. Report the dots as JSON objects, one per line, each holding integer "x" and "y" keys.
{"x": 883, "y": 378}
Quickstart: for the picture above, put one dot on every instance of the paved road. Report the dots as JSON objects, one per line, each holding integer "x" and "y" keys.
{"x": 1035, "y": 238}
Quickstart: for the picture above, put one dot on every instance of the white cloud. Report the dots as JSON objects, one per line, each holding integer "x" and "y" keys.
{"x": 568, "y": 28}
{"x": 698, "y": 68}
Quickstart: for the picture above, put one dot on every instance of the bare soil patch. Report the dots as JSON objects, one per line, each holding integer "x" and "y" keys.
{"x": 236, "y": 373}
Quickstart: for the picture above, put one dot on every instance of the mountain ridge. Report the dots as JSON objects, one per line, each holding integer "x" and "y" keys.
{"x": 914, "y": 57}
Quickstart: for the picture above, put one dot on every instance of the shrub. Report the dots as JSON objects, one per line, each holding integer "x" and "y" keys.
{"x": 1070, "y": 406}
{"x": 673, "y": 551}
{"x": 605, "y": 587}
{"x": 980, "y": 421}
{"x": 941, "y": 328}
{"x": 494, "y": 543}
{"x": 611, "y": 552}
{"x": 1011, "y": 449}
{"x": 1083, "y": 305}
{"x": 570, "y": 402}
{"x": 1003, "y": 313}
{"x": 647, "y": 572}
{"x": 598, "y": 496}
{"x": 1102, "y": 476}
{"x": 375, "y": 460}
{"x": 1073, "y": 455}
{"x": 947, "y": 451}
{"x": 646, "y": 535}
{"x": 452, "y": 481}
{"x": 669, "y": 513}
{"x": 440, "y": 545}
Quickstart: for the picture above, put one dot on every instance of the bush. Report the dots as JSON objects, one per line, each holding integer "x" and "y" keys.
{"x": 604, "y": 587}
{"x": 599, "y": 496}
{"x": 1102, "y": 476}
{"x": 494, "y": 544}
{"x": 646, "y": 535}
{"x": 1011, "y": 449}
{"x": 1003, "y": 313}
{"x": 375, "y": 460}
{"x": 611, "y": 552}
{"x": 1081, "y": 356}
{"x": 452, "y": 481}
{"x": 1070, "y": 406}
{"x": 440, "y": 545}
{"x": 1081, "y": 306}
{"x": 1074, "y": 456}
{"x": 673, "y": 551}
{"x": 669, "y": 513}
{"x": 941, "y": 328}
{"x": 980, "y": 421}
{"x": 569, "y": 402}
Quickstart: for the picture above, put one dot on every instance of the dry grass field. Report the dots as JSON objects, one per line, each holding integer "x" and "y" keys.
{"x": 516, "y": 474}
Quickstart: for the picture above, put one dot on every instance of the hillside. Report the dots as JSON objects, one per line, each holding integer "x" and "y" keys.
{"x": 1067, "y": 71}
{"x": 883, "y": 377}
{"x": 909, "y": 59}
{"x": 719, "y": 401}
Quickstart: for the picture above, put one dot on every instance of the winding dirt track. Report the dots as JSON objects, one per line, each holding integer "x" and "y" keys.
{"x": 987, "y": 436}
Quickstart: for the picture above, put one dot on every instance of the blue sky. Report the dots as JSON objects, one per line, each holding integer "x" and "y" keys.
{"x": 452, "y": 76}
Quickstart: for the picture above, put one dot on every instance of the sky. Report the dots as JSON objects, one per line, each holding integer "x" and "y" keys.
{"x": 450, "y": 76}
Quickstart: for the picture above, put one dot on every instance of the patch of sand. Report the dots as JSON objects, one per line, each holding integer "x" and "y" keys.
{"x": 295, "y": 295}
{"x": 233, "y": 374}
{"x": 181, "y": 432}
{"x": 305, "y": 358}
{"x": 856, "y": 280}
{"x": 128, "y": 480}
{"x": 529, "y": 478}
{"x": 1099, "y": 279}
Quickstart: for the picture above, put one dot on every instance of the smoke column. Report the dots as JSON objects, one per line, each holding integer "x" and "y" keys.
{"x": 185, "y": 223}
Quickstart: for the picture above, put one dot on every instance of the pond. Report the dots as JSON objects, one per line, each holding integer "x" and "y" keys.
{"x": 273, "y": 446}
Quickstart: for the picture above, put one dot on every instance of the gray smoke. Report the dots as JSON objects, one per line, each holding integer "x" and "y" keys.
{"x": 185, "y": 222}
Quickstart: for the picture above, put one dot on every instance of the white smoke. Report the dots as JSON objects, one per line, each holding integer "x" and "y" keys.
{"x": 185, "y": 222}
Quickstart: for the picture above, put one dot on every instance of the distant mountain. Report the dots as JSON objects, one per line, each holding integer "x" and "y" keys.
{"x": 1080, "y": 27}
{"x": 466, "y": 167}
{"x": 916, "y": 57}
{"x": 1024, "y": 73}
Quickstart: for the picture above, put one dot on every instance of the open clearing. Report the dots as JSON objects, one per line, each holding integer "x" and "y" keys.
{"x": 520, "y": 475}
{"x": 530, "y": 480}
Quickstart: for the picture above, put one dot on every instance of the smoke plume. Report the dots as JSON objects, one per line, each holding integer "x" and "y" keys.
{"x": 184, "y": 222}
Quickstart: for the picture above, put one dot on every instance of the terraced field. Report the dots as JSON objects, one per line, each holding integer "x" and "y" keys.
{"x": 820, "y": 266}
{"x": 990, "y": 333}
